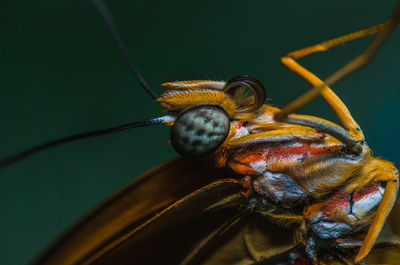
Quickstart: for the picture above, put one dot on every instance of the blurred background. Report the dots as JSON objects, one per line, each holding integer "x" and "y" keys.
{"x": 61, "y": 74}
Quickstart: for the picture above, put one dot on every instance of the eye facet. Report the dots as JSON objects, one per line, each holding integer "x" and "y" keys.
{"x": 253, "y": 86}
{"x": 200, "y": 130}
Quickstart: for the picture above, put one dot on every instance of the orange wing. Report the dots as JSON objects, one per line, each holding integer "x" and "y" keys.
{"x": 128, "y": 208}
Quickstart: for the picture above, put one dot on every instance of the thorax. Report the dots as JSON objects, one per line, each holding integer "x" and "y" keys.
{"x": 301, "y": 157}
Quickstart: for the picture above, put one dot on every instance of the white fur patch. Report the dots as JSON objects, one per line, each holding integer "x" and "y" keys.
{"x": 240, "y": 132}
{"x": 259, "y": 166}
{"x": 363, "y": 207}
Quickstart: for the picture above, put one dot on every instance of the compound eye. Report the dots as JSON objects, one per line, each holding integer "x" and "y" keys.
{"x": 200, "y": 130}
{"x": 248, "y": 91}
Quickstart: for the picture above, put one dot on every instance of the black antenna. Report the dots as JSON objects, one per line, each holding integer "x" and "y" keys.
{"x": 106, "y": 16}
{"x": 17, "y": 157}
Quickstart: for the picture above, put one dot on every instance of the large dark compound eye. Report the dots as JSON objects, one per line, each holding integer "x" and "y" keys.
{"x": 200, "y": 130}
{"x": 248, "y": 91}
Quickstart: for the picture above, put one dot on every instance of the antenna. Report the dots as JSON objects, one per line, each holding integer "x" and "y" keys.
{"x": 36, "y": 149}
{"x": 106, "y": 16}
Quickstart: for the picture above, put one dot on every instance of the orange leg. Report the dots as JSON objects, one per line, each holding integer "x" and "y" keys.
{"x": 330, "y": 97}
{"x": 377, "y": 170}
{"x": 321, "y": 87}
{"x": 388, "y": 199}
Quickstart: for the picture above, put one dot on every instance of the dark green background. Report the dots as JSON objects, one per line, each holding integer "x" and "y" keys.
{"x": 60, "y": 74}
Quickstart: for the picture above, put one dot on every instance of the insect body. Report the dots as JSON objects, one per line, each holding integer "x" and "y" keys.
{"x": 336, "y": 188}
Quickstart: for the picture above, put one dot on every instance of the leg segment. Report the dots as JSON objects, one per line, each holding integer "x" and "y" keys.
{"x": 322, "y": 88}
{"x": 382, "y": 213}
{"x": 332, "y": 99}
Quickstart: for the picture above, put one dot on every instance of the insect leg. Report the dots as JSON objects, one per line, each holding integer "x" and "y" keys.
{"x": 332, "y": 99}
{"x": 344, "y": 243}
{"x": 322, "y": 88}
{"x": 384, "y": 208}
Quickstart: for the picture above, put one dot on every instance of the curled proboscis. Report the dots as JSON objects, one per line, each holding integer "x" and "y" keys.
{"x": 248, "y": 92}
